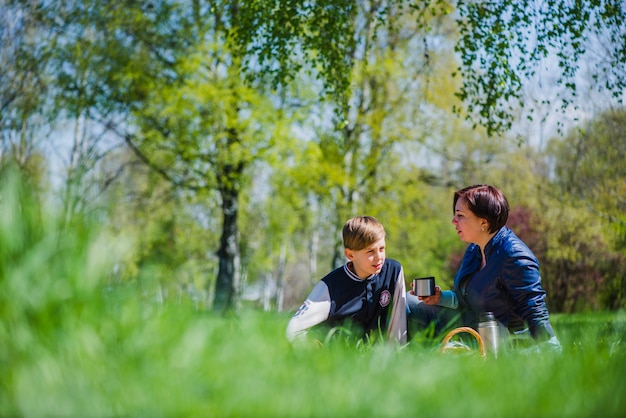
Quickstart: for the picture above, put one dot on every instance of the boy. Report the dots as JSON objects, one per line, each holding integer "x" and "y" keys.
{"x": 368, "y": 290}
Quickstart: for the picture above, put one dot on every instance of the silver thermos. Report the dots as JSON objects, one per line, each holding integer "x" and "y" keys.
{"x": 488, "y": 330}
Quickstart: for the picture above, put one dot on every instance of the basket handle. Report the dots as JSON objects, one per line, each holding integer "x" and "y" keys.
{"x": 449, "y": 335}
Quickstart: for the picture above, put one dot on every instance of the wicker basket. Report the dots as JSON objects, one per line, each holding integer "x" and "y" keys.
{"x": 449, "y": 335}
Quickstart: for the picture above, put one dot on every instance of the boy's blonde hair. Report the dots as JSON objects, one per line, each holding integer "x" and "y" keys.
{"x": 362, "y": 231}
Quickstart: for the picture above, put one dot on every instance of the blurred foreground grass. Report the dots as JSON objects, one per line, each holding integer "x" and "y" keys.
{"x": 74, "y": 345}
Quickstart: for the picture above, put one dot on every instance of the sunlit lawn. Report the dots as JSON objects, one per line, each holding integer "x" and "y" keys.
{"x": 135, "y": 360}
{"x": 74, "y": 345}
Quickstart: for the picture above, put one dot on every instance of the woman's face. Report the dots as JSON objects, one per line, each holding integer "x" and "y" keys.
{"x": 468, "y": 225}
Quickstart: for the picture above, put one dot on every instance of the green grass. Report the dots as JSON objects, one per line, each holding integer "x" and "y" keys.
{"x": 74, "y": 345}
{"x": 139, "y": 361}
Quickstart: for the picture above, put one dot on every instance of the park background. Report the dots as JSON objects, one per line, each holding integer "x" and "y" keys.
{"x": 175, "y": 176}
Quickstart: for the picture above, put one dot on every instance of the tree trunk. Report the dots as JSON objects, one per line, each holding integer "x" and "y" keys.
{"x": 280, "y": 287}
{"x": 226, "y": 298}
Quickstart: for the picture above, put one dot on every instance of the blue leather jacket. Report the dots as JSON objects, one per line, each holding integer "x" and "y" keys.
{"x": 509, "y": 285}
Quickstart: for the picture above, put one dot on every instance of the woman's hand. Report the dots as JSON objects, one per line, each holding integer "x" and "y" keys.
{"x": 429, "y": 300}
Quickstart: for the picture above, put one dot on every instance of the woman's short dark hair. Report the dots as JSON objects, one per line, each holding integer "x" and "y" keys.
{"x": 486, "y": 202}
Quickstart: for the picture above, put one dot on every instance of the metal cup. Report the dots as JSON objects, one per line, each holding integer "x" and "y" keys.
{"x": 424, "y": 286}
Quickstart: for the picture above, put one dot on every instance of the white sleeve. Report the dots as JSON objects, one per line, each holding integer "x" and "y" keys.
{"x": 397, "y": 330}
{"x": 314, "y": 310}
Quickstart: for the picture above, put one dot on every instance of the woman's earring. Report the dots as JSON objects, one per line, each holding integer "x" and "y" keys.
{"x": 482, "y": 228}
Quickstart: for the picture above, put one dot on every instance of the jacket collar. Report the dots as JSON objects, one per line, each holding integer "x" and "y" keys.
{"x": 496, "y": 240}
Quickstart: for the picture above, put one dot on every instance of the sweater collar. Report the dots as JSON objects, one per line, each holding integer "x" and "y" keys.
{"x": 348, "y": 269}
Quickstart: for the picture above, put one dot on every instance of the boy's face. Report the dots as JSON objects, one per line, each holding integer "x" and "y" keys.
{"x": 369, "y": 260}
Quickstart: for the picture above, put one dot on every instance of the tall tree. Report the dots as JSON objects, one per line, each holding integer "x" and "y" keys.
{"x": 589, "y": 167}
{"x": 24, "y": 82}
{"x": 501, "y": 45}
{"x": 165, "y": 78}
{"x": 590, "y": 177}
{"x": 202, "y": 127}
{"x": 352, "y": 158}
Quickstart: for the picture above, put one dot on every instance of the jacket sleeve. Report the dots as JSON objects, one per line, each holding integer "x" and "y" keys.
{"x": 397, "y": 329}
{"x": 314, "y": 310}
{"x": 522, "y": 281}
{"x": 449, "y": 299}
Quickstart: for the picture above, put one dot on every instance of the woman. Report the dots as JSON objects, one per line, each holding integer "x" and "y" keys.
{"x": 498, "y": 274}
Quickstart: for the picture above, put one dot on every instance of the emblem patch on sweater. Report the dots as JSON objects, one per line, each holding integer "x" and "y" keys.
{"x": 385, "y": 298}
{"x": 303, "y": 308}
